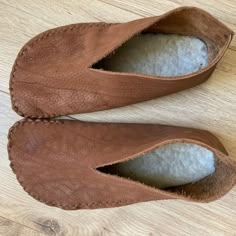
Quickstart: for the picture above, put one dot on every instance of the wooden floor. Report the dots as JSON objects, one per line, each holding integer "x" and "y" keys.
{"x": 211, "y": 106}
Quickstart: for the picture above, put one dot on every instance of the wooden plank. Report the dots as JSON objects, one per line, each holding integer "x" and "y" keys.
{"x": 11, "y": 228}
{"x": 209, "y": 106}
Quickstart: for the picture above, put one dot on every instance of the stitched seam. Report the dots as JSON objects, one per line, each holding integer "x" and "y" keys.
{"x": 38, "y": 38}
{"x": 83, "y": 25}
{"x": 21, "y": 123}
{"x": 223, "y": 158}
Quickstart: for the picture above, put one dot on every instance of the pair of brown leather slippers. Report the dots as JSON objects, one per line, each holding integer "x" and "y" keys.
{"x": 57, "y": 161}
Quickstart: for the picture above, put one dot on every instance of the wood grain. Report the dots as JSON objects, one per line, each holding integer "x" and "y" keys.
{"x": 11, "y": 228}
{"x": 209, "y": 106}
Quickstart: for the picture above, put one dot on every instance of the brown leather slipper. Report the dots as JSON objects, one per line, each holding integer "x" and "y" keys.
{"x": 59, "y": 162}
{"x": 54, "y": 72}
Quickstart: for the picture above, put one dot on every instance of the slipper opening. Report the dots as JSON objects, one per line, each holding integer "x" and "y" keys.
{"x": 185, "y": 169}
{"x": 179, "y": 43}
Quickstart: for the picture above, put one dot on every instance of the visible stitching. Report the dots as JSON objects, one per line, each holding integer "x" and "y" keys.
{"x": 89, "y": 25}
{"x": 21, "y": 123}
{"x": 221, "y": 157}
{"x": 35, "y": 40}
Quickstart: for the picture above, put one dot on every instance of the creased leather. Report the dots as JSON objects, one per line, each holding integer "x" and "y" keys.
{"x": 53, "y": 72}
{"x": 56, "y": 162}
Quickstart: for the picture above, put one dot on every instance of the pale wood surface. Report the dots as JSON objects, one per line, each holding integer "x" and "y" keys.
{"x": 210, "y": 106}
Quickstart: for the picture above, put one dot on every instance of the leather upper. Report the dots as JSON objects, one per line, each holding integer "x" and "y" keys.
{"x": 56, "y": 162}
{"x": 53, "y": 72}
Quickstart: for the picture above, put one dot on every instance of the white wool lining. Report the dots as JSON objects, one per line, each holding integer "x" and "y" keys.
{"x": 163, "y": 55}
{"x": 158, "y": 54}
{"x": 167, "y": 166}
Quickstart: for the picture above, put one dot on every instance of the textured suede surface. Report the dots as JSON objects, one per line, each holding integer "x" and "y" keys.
{"x": 56, "y": 162}
{"x": 53, "y": 72}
